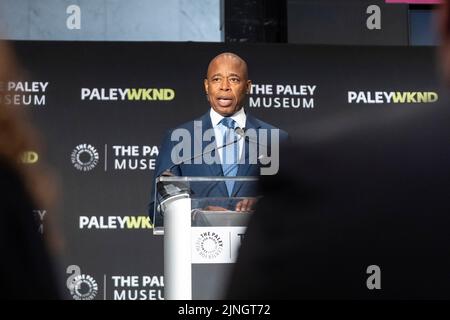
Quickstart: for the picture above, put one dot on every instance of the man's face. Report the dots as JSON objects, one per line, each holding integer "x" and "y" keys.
{"x": 226, "y": 85}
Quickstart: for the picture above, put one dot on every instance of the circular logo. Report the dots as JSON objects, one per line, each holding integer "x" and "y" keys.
{"x": 84, "y": 157}
{"x": 209, "y": 245}
{"x": 83, "y": 287}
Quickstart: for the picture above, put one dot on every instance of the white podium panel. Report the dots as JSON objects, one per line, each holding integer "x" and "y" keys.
{"x": 202, "y": 233}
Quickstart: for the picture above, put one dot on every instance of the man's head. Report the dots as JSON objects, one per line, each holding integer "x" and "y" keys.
{"x": 227, "y": 83}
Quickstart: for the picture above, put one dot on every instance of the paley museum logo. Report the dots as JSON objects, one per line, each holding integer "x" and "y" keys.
{"x": 85, "y": 157}
{"x": 24, "y": 93}
{"x": 81, "y": 286}
{"x": 282, "y": 96}
{"x": 209, "y": 245}
{"x": 120, "y": 287}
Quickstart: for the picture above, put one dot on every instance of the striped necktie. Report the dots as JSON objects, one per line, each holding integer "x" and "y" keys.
{"x": 230, "y": 152}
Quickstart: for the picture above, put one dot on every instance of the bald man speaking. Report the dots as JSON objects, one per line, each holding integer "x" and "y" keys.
{"x": 234, "y": 143}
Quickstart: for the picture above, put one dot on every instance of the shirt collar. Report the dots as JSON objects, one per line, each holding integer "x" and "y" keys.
{"x": 240, "y": 117}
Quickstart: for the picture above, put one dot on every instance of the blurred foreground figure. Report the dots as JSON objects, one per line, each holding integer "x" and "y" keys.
{"x": 362, "y": 213}
{"x": 26, "y": 270}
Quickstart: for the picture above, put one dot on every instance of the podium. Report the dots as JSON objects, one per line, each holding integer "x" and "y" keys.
{"x": 202, "y": 232}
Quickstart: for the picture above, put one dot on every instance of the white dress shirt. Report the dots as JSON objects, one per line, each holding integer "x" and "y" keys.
{"x": 219, "y": 130}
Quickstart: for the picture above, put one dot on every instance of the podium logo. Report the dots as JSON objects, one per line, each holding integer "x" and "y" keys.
{"x": 81, "y": 286}
{"x": 84, "y": 157}
{"x": 209, "y": 245}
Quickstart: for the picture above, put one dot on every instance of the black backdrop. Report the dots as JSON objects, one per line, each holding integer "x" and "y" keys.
{"x": 106, "y": 252}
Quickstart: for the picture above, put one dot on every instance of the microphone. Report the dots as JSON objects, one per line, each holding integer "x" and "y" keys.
{"x": 238, "y": 130}
{"x": 241, "y": 132}
{"x": 167, "y": 190}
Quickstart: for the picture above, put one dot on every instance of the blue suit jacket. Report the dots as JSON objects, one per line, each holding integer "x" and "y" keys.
{"x": 212, "y": 189}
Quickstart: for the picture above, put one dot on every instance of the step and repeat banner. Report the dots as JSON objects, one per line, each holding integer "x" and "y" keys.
{"x": 103, "y": 109}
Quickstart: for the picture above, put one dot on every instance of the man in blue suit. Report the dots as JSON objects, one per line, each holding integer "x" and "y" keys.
{"x": 226, "y": 134}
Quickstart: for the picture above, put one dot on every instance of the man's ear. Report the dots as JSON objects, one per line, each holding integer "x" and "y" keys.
{"x": 205, "y": 84}
{"x": 249, "y": 86}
